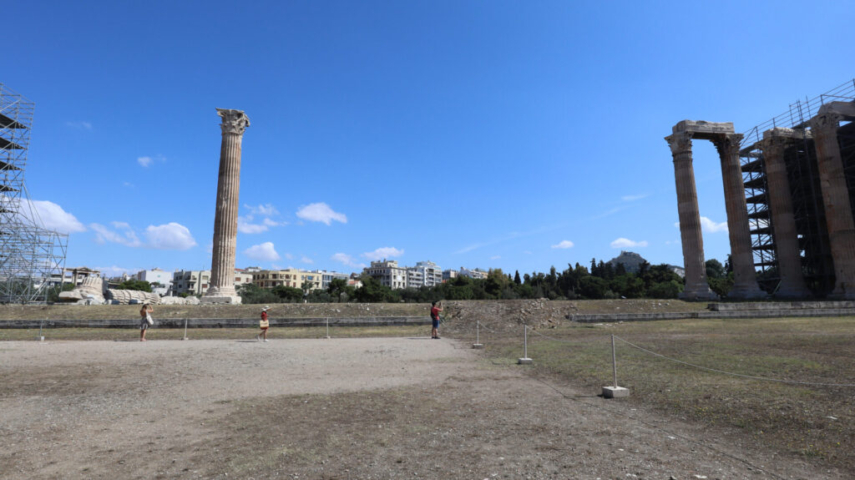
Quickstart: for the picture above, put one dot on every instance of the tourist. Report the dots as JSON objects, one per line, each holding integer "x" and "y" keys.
{"x": 264, "y": 324}
{"x": 434, "y": 316}
{"x": 145, "y": 320}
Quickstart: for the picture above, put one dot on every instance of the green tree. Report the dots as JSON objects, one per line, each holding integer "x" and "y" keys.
{"x": 715, "y": 269}
{"x": 139, "y": 285}
{"x": 517, "y": 278}
{"x": 288, "y": 294}
{"x": 253, "y": 294}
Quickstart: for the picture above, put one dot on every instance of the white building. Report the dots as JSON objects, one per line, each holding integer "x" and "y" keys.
{"x": 449, "y": 275}
{"x": 476, "y": 273}
{"x": 156, "y": 275}
{"x": 388, "y": 273}
{"x": 196, "y": 282}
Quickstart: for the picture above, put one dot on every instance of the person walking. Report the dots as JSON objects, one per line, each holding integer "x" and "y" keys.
{"x": 264, "y": 324}
{"x": 434, "y": 316}
{"x": 145, "y": 319}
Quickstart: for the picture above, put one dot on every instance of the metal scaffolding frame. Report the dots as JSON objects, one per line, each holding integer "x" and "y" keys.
{"x": 31, "y": 256}
{"x": 808, "y": 205}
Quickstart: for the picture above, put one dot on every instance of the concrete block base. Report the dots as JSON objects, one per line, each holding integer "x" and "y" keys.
{"x": 478, "y": 346}
{"x": 615, "y": 392}
{"x": 226, "y": 300}
{"x": 524, "y": 361}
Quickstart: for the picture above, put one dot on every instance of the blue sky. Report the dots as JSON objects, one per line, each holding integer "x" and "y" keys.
{"x": 480, "y": 134}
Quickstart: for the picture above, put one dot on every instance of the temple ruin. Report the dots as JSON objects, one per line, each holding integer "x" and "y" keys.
{"x": 788, "y": 186}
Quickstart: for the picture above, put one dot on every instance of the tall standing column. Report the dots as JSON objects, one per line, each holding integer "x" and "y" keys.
{"x": 222, "y": 288}
{"x": 690, "y": 218}
{"x": 783, "y": 220}
{"x": 835, "y": 194}
{"x": 744, "y": 278}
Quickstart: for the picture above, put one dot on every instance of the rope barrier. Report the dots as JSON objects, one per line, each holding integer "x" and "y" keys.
{"x": 752, "y": 377}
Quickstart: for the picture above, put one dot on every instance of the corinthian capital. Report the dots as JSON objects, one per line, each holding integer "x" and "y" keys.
{"x": 727, "y": 144}
{"x": 234, "y": 121}
{"x": 680, "y": 143}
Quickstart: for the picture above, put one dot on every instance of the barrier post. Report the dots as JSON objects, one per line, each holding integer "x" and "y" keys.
{"x": 477, "y": 343}
{"x": 41, "y": 336}
{"x": 525, "y": 360}
{"x": 328, "y": 327}
{"x": 614, "y": 391}
{"x": 185, "y": 330}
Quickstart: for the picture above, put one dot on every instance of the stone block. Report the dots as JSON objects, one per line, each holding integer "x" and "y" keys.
{"x": 478, "y": 346}
{"x": 524, "y": 361}
{"x": 615, "y": 392}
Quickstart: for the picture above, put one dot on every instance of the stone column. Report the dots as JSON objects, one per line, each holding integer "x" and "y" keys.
{"x": 690, "y": 218}
{"x": 222, "y": 288}
{"x": 835, "y": 194}
{"x": 744, "y": 277}
{"x": 783, "y": 221}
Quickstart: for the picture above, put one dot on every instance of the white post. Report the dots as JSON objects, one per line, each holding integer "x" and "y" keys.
{"x": 477, "y": 332}
{"x": 185, "y": 329}
{"x": 525, "y": 360}
{"x": 614, "y": 360}
{"x": 328, "y": 327}
{"x": 41, "y": 337}
{"x": 614, "y": 391}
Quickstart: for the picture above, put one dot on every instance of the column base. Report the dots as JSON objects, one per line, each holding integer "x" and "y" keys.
{"x": 791, "y": 291}
{"x": 746, "y": 292}
{"x": 221, "y": 299}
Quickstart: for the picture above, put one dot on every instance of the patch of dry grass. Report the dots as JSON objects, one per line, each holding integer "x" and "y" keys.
{"x": 814, "y": 421}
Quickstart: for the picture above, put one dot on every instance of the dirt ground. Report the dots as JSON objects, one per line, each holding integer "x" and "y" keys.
{"x": 366, "y": 408}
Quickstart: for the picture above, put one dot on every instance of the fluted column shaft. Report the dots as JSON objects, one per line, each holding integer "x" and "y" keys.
{"x": 783, "y": 220}
{"x": 225, "y": 219}
{"x": 690, "y": 218}
{"x": 835, "y": 194}
{"x": 742, "y": 258}
{"x": 226, "y": 216}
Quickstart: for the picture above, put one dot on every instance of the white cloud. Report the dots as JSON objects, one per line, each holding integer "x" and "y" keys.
{"x": 52, "y": 216}
{"x": 627, "y": 243}
{"x": 632, "y": 198}
{"x": 81, "y": 125}
{"x": 563, "y": 244}
{"x": 128, "y": 184}
{"x": 495, "y": 257}
{"x": 264, "y": 252}
{"x": 266, "y": 210}
{"x": 527, "y": 252}
{"x": 320, "y": 212}
{"x": 709, "y": 226}
{"x": 250, "y": 228}
{"x": 384, "y": 252}
{"x": 171, "y": 236}
{"x": 126, "y": 237}
{"x": 273, "y": 223}
{"x": 306, "y": 259}
{"x": 288, "y": 256}
{"x": 147, "y": 161}
{"x": 347, "y": 260}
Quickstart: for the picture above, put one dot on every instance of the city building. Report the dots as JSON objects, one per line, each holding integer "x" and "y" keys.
{"x": 449, "y": 275}
{"x": 428, "y": 273}
{"x": 388, "y": 273}
{"x": 158, "y": 276}
{"x": 196, "y": 282}
{"x": 290, "y": 277}
{"x": 476, "y": 273}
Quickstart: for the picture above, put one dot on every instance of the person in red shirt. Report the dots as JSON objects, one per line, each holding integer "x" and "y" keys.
{"x": 264, "y": 324}
{"x": 434, "y": 316}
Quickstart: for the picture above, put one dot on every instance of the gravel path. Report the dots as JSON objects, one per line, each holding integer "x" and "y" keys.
{"x": 167, "y": 409}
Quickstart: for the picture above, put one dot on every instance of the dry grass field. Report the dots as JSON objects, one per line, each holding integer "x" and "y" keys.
{"x": 808, "y": 420}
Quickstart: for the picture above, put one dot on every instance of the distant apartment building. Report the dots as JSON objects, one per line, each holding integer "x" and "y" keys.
{"x": 388, "y": 273}
{"x": 449, "y": 275}
{"x": 327, "y": 277}
{"x": 156, "y": 275}
{"x": 476, "y": 273}
{"x": 196, "y": 282}
{"x": 290, "y": 277}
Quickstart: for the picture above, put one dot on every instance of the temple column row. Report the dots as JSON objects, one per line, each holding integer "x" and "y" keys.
{"x": 835, "y": 195}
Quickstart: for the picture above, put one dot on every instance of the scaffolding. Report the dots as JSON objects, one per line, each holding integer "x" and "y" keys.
{"x": 32, "y": 258}
{"x": 805, "y": 190}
